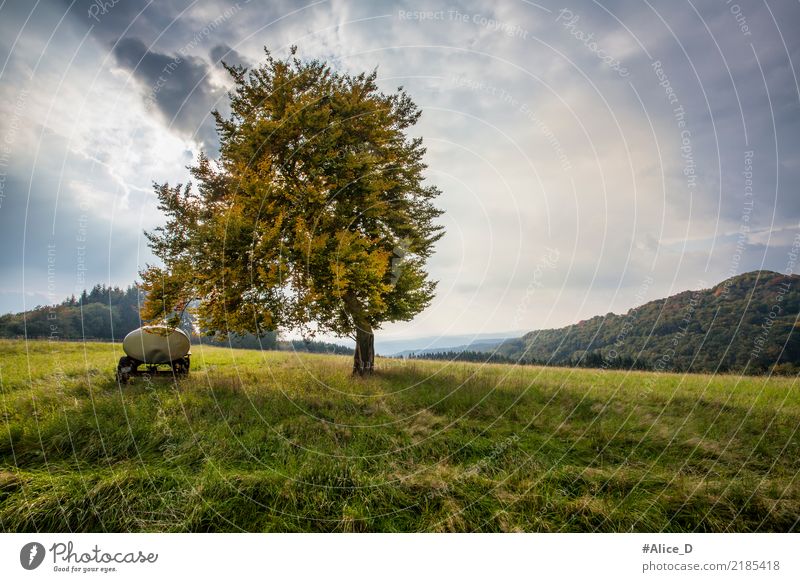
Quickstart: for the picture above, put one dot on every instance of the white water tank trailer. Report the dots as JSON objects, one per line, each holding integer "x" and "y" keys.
{"x": 152, "y": 346}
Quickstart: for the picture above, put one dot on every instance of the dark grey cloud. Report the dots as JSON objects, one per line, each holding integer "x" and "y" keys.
{"x": 716, "y": 72}
{"x": 166, "y": 26}
{"x": 163, "y": 44}
{"x": 111, "y": 20}
{"x": 178, "y": 86}
{"x": 222, "y": 53}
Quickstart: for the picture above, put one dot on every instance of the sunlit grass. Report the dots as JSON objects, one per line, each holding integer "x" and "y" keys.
{"x": 275, "y": 441}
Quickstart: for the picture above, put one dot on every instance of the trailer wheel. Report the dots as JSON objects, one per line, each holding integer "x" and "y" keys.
{"x": 181, "y": 367}
{"x": 125, "y": 368}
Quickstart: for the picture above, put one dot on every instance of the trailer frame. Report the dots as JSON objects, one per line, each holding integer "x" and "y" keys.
{"x": 128, "y": 368}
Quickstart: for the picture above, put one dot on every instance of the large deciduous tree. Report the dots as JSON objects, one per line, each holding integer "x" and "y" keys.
{"x": 314, "y": 218}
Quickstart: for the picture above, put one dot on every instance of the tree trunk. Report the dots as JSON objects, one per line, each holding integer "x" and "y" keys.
{"x": 364, "y": 357}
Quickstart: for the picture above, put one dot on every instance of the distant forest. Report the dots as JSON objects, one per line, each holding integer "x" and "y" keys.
{"x": 590, "y": 360}
{"x": 110, "y": 313}
{"x": 746, "y": 324}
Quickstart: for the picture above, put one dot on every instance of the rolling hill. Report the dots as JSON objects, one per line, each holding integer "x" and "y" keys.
{"x": 747, "y": 323}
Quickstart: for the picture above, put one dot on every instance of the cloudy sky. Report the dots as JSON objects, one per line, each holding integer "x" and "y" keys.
{"x": 592, "y": 155}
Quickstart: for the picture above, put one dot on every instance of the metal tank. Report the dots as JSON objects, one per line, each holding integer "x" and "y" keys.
{"x": 152, "y": 346}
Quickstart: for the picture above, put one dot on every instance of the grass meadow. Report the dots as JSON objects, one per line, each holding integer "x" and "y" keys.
{"x": 277, "y": 441}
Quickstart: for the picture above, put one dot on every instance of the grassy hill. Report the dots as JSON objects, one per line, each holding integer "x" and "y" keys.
{"x": 289, "y": 442}
{"x": 747, "y": 323}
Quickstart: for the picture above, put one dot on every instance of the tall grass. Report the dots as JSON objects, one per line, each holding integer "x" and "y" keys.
{"x": 268, "y": 441}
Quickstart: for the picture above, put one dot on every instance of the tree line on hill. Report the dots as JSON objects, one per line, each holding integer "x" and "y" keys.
{"x": 106, "y": 313}
{"x": 102, "y": 313}
{"x": 746, "y": 324}
{"x": 586, "y": 360}
{"x": 464, "y": 356}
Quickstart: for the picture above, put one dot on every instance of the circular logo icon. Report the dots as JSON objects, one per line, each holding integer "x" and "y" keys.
{"x": 31, "y": 555}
